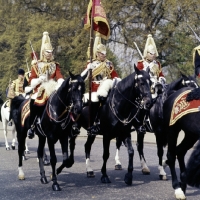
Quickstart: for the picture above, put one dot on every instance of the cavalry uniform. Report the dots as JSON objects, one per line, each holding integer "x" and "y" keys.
{"x": 44, "y": 74}
{"x": 100, "y": 71}
{"x": 150, "y": 64}
{"x": 50, "y": 71}
{"x": 15, "y": 89}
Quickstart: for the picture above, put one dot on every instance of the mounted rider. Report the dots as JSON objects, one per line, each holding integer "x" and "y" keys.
{"x": 149, "y": 63}
{"x": 15, "y": 89}
{"x": 43, "y": 73}
{"x": 103, "y": 73}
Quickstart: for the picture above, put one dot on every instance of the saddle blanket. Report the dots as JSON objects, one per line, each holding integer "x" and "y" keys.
{"x": 181, "y": 107}
{"x": 25, "y": 112}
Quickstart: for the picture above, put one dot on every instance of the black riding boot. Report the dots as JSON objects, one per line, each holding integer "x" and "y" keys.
{"x": 33, "y": 115}
{"x": 95, "y": 129}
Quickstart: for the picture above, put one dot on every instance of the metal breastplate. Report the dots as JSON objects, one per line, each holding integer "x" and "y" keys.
{"x": 45, "y": 68}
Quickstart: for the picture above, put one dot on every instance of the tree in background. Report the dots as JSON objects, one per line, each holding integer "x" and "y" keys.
{"x": 22, "y": 21}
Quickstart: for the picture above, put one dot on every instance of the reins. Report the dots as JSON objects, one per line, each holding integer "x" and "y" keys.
{"x": 129, "y": 118}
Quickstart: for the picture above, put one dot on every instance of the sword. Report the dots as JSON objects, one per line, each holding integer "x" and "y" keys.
{"x": 27, "y": 65}
{"x": 138, "y": 50}
{"x": 197, "y": 37}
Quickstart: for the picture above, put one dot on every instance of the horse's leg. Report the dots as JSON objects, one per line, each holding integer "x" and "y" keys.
{"x": 40, "y": 155}
{"x": 5, "y": 132}
{"x": 181, "y": 150}
{"x": 26, "y": 148}
{"x": 45, "y": 158}
{"x": 21, "y": 145}
{"x": 160, "y": 152}
{"x": 140, "y": 146}
{"x": 53, "y": 161}
{"x": 106, "y": 153}
{"x": 72, "y": 144}
{"x": 171, "y": 156}
{"x": 13, "y": 136}
{"x": 88, "y": 145}
{"x": 118, "y": 165}
{"x": 68, "y": 161}
{"x": 129, "y": 176}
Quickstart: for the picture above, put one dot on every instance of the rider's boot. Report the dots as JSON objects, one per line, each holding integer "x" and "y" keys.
{"x": 33, "y": 115}
{"x": 95, "y": 129}
{"x": 75, "y": 129}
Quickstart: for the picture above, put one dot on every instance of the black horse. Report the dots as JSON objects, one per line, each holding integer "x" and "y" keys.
{"x": 174, "y": 122}
{"x": 56, "y": 124}
{"x": 122, "y": 105}
{"x": 154, "y": 124}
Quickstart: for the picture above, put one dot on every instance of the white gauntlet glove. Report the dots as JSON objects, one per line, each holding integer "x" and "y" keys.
{"x": 162, "y": 80}
{"x": 37, "y": 81}
{"x": 42, "y": 78}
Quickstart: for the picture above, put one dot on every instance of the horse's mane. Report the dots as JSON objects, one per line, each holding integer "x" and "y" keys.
{"x": 65, "y": 84}
{"x": 193, "y": 95}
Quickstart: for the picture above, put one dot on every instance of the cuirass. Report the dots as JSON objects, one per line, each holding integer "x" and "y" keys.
{"x": 47, "y": 68}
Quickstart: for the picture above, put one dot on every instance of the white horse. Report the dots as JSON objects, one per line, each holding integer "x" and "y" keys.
{"x": 5, "y": 113}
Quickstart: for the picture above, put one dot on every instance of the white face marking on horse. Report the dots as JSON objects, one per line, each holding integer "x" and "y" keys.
{"x": 138, "y": 76}
{"x": 79, "y": 87}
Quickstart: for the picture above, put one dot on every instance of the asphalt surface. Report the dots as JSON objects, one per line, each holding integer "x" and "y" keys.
{"x": 73, "y": 181}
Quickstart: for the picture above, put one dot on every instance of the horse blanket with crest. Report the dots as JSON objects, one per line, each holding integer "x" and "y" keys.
{"x": 182, "y": 107}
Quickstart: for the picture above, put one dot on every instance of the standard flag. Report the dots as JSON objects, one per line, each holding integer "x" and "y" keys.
{"x": 100, "y": 21}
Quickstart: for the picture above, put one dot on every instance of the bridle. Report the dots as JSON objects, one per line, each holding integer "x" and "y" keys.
{"x": 137, "y": 103}
{"x": 59, "y": 119}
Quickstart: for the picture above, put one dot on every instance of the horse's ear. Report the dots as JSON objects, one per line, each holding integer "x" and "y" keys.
{"x": 183, "y": 75}
{"x": 71, "y": 75}
{"x": 84, "y": 77}
{"x": 136, "y": 69}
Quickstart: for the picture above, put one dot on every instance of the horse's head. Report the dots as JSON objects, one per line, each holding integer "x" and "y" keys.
{"x": 76, "y": 90}
{"x": 189, "y": 81}
{"x": 143, "y": 84}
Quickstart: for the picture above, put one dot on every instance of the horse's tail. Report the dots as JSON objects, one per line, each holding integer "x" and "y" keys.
{"x": 193, "y": 168}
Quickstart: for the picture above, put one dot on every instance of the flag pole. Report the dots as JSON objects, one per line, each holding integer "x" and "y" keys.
{"x": 91, "y": 57}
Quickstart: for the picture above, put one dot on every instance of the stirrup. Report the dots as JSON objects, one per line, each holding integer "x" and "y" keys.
{"x": 10, "y": 123}
{"x": 30, "y": 132}
{"x": 94, "y": 130}
{"x": 75, "y": 130}
{"x": 142, "y": 129}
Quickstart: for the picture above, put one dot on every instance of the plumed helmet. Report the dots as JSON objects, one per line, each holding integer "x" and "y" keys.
{"x": 46, "y": 44}
{"x": 150, "y": 46}
{"x": 21, "y": 72}
{"x": 101, "y": 48}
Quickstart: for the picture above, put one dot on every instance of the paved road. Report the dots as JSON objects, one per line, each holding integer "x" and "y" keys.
{"x": 73, "y": 181}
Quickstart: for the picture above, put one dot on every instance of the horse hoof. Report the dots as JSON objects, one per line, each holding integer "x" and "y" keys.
{"x": 128, "y": 179}
{"x": 44, "y": 180}
{"x": 27, "y": 152}
{"x": 118, "y": 167}
{"x": 56, "y": 187}
{"x": 163, "y": 177}
{"x": 105, "y": 179}
{"x": 7, "y": 148}
{"x": 13, "y": 147}
{"x": 90, "y": 174}
{"x": 46, "y": 162}
{"x": 146, "y": 171}
{"x": 21, "y": 177}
